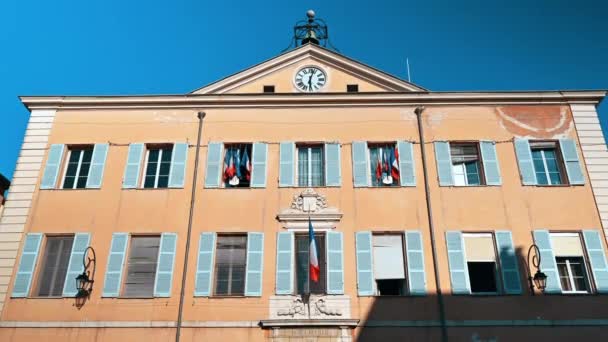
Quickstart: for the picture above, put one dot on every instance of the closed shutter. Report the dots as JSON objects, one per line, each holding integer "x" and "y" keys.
{"x": 166, "y": 262}
{"x": 116, "y": 260}
{"x": 406, "y": 163}
{"x": 287, "y": 163}
{"x": 542, "y": 238}
{"x": 177, "y": 173}
{"x": 214, "y": 164}
{"x": 333, "y": 174}
{"x": 25, "y": 272}
{"x": 98, "y": 162}
{"x": 491, "y": 167}
{"x": 285, "y": 263}
{"x": 459, "y": 274}
{"x": 508, "y": 263}
{"x": 416, "y": 275}
{"x": 335, "y": 263}
{"x": 365, "y": 274}
{"x": 75, "y": 266}
{"x": 361, "y": 175}
{"x": 573, "y": 165}
{"x": 444, "y": 163}
{"x": 204, "y": 268}
{"x": 524, "y": 159}
{"x": 597, "y": 259}
{"x": 258, "y": 166}
{"x": 131, "y": 177}
{"x": 255, "y": 263}
{"x": 53, "y": 163}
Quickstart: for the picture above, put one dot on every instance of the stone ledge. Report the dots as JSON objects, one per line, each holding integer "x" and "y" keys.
{"x": 278, "y": 323}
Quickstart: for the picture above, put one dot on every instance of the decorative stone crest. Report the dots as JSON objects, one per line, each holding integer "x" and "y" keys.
{"x": 309, "y": 204}
{"x": 321, "y": 306}
{"x": 295, "y": 308}
{"x": 309, "y": 201}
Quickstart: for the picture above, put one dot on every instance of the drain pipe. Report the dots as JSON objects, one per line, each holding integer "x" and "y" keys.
{"x": 444, "y": 329}
{"x": 201, "y": 116}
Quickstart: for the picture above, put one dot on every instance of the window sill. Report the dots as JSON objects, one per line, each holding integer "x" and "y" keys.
{"x": 555, "y": 186}
{"x": 77, "y": 189}
{"x": 228, "y": 297}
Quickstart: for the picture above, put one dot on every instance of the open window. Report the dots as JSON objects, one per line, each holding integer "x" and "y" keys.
{"x": 384, "y": 164}
{"x": 481, "y": 262}
{"x": 571, "y": 264}
{"x": 466, "y": 164}
{"x": 389, "y": 264}
{"x": 236, "y": 171}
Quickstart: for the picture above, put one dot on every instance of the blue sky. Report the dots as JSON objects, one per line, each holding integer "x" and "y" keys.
{"x": 149, "y": 47}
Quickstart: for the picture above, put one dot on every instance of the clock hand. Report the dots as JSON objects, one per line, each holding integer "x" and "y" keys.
{"x": 310, "y": 81}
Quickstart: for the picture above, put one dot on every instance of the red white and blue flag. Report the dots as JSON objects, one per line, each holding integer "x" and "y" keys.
{"x": 312, "y": 255}
{"x": 395, "y": 164}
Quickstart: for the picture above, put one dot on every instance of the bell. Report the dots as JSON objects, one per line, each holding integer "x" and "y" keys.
{"x": 311, "y": 37}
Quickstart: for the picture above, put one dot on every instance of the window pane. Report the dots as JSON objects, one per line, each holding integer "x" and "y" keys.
{"x": 166, "y": 157}
{"x": 77, "y": 170}
{"x": 163, "y": 181}
{"x": 141, "y": 267}
{"x": 317, "y": 166}
{"x": 165, "y": 168}
{"x": 230, "y": 262}
{"x": 149, "y": 182}
{"x": 572, "y": 272}
{"x": 482, "y": 276}
{"x": 302, "y": 166}
{"x": 472, "y": 173}
{"x": 374, "y": 168}
{"x": 55, "y": 265}
{"x": 68, "y": 183}
{"x": 459, "y": 173}
{"x": 302, "y": 264}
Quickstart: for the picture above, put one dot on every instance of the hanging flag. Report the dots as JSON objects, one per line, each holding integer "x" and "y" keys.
{"x": 228, "y": 165}
{"x": 237, "y": 163}
{"x": 395, "y": 164}
{"x": 312, "y": 254}
{"x": 246, "y": 164}
{"x": 386, "y": 167}
{"x": 379, "y": 165}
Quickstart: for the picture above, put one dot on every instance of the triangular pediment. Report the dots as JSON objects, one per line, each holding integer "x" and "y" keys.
{"x": 280, "y": 72}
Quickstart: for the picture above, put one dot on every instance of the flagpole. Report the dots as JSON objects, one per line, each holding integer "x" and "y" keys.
{"x": 309, "y": 241}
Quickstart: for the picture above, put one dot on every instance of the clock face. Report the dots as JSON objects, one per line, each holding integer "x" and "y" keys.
{"x": 310, "y": 79}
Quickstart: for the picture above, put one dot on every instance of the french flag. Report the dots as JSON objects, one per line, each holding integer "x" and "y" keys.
{"x": 246, "y": 164}
{"x": 312, "y": 254}
{"x": 395, "y": 164}
{"x": 229, "y": 170}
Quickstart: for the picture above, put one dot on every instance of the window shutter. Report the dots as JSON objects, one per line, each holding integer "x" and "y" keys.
{"x": 214, "y": 164}
{"x": 75, "y": 267}
{"x": 508, "y": 262}
{"x": 526, "y": 165}
{"x": 53, "y": 163}
{"x": 459, "y": 274}
{"x": 177, "y": 173}
{"x": 542, "y": 238}
{"x": 29, "y": 256}
{"x": 164, "y": 268}
{"x": 204, "y": 268}
{"x": 98, "y": 162}
{"x": 415, "y": 263}
{"x": 258, "y": 165}
{"x": 287, "y": 163}
{"x": 360, "y": 165}
{"x": 597, "y": 259}
{"x": 285, "y": 259}
{"x": 407, "y": 169}
{"x": 255, "y": 263}
{"x": 333, "y": 173}
{"x": 573, "y": 165}
{"x": 444, "y": 163}
{"x": 131, "y": 177}
{"x": 116, "y": 260}
{"x": 365, "y": 273}
{"x": 491, "y": 167}
{"x": 335, "y": 263}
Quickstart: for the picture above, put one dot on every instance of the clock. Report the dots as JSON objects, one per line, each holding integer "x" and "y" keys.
{"x": 310, "y": 79}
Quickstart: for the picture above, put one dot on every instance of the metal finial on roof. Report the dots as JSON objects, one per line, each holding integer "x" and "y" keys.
{"x": 310, "y": 31}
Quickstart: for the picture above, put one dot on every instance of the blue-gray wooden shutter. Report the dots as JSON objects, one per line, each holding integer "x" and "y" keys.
{"x": 508, "y": 262}
{"x": 365, "y": 271}
{"x": 166, "y": 262}
{"x": 214, "y": 164}
{"x": 116, "y": 261}
{"x": 542, "y": 238}
{"x": 98, "y": 162}
{"x": 287, "y": 168}
{"x": 333, "y": 172}
{"x": 416, "y": 275}
{"x": 573, "y": 165}
{"x": 407, "y": 171}
{"x": 75, "y": 266}
{"x": 177, "y": 173}
{"x": 255, "y": 264}
{"x": 491, "y": 167}
{"x": 204, "y": 267}
{"x": 25, "y": 272}
{"x": 53, "y": 164}
{"x": 459, "y": 273}
{"x": 134, "y": 156}
{"x": 258, "y": 165}
{"x": 361, "y": 176}
{"x": 597, "y": 259}
{"x": 285, "y": 260}
{"x": 524, "y": 159}
{"x": 443, "y": 158}
{"x": 335, "y": 263}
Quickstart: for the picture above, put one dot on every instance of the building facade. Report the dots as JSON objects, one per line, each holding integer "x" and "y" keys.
{"x": 424, "y": 205}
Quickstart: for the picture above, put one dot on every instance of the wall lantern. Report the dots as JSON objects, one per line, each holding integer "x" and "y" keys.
{"x": 539, "y": 279}
{"x": 85, "y": 280}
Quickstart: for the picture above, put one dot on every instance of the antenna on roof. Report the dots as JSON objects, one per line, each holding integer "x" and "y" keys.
{"x": 407, "y": 62}
{"x": 310, "y": 31}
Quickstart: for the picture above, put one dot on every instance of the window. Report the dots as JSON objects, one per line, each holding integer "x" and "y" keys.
{"x": 141, "y": 266}
{"x": 466, "y": 164}
{"x": 237, "y": 166}
{"x": 481, "y": 263}
{"x": 77, "y": 167}
{"x": 54, "y": 265}
{"x": 158, "y": 165}
{"x": 547, "y": 164}
{"x": 389, "y": 265}
{"x": 384, "y": 161}
{"x": 570, "y": 261}
{"x": 269, "y": 89}
{"x": 311, "y": 165}
{"x": 352, "y": 88}
{"x": 302, "y": 264}
{"x": 230, "y": 265}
